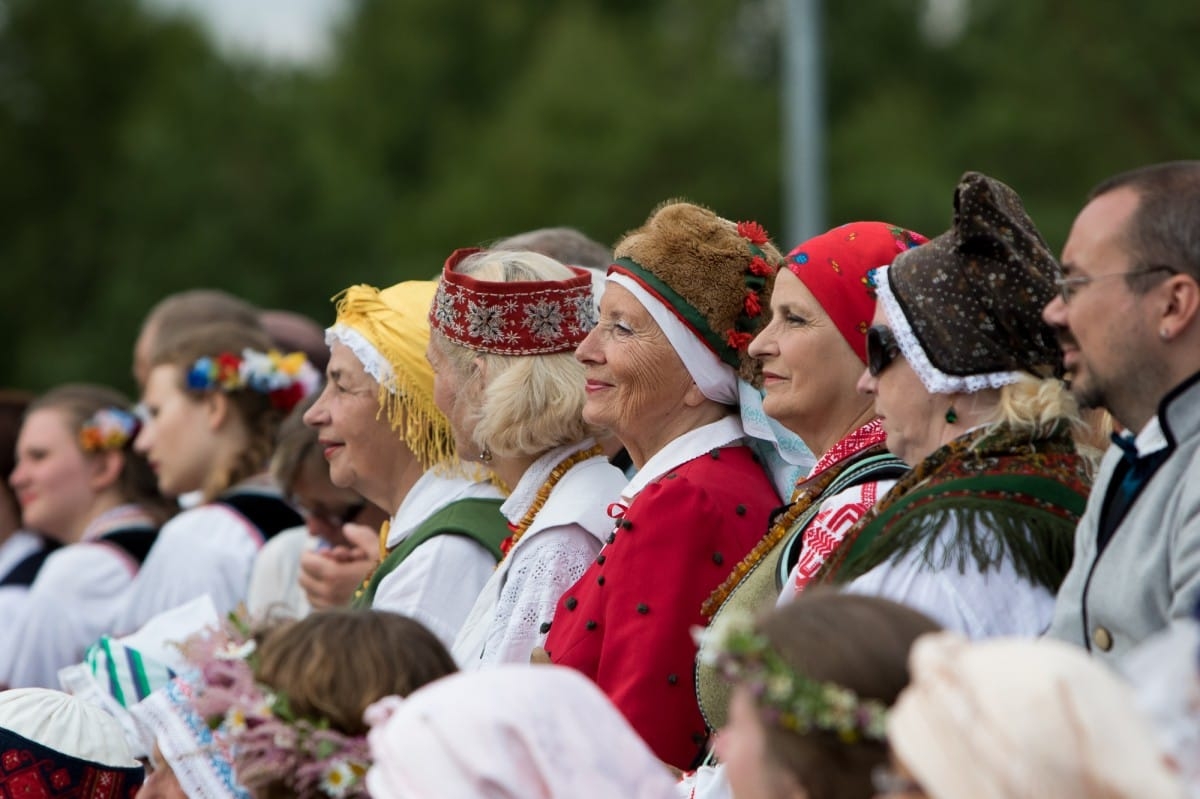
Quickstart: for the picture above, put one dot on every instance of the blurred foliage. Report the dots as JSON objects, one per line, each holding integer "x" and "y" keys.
{"x": 136, "y": 159}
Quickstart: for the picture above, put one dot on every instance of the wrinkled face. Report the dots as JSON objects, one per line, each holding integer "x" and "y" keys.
{"x": 1105, "y": 327}
{"x": 742, "y": 747}
{"x": 176, "y": 436}
{"x": 809, "y": 371}
{"x": 913, "y": 419}
{"x": 635, "y": 380}
{"x": 54, "y": 480}
{"x": 354, "y": 435}
{"x": 456, "y": 396}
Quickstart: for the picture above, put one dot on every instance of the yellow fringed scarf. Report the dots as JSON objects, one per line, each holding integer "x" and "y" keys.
{"x": 395, "y": 321}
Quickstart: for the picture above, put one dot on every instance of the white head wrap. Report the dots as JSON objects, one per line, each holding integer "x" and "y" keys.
{"x": 202, "y": 763}
{"x": 512, "y": 732}
{"x": 1014, "y": 718}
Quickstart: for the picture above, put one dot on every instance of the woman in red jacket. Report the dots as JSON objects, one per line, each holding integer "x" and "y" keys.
{"x": 666, "y": 372}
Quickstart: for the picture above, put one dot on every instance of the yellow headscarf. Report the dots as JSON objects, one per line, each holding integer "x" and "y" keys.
{"x": 395, "y": 322}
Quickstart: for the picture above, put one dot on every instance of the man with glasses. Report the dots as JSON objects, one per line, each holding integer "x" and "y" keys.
{"x": 1128, "y": 319}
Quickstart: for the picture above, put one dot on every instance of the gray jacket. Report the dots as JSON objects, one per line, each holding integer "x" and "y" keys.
{"x": 1149, "y": 572}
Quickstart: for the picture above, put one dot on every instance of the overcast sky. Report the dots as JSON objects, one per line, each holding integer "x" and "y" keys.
{"x": 294, "y": 30}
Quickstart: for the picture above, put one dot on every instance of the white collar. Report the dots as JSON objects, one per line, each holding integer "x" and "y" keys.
{"x": 1150, "y": 438}
{"x": 686, "y": 447}
{"x": 525, "y": 491}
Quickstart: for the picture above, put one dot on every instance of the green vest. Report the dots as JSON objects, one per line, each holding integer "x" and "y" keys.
{"x": 477, "y": 519}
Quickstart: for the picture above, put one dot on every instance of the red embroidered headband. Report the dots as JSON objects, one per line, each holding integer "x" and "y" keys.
{"x": 519, "y": 318}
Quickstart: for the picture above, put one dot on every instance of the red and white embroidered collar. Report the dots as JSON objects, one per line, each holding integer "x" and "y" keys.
{"x": 520, "y": 318}
{"x": 856, "y": 441}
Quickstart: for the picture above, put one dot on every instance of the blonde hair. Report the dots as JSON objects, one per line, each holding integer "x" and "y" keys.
{"x": 1037, "y": 406}
{"x": 1034, "y": 407}
{"x": 531, "y": 403}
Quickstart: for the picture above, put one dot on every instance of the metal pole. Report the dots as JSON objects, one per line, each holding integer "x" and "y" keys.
{"x": 804, "y": 123}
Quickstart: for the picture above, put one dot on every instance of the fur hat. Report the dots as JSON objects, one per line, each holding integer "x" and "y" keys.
{"x": 712, "y": 273}
{"x": 972, "y": 298}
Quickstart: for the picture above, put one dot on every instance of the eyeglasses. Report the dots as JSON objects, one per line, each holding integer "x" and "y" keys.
{"x": 1067, "y": 286}
{"x": 881, "y": 349}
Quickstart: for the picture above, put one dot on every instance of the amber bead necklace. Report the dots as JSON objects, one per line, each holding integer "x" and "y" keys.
{"x": 543, "y": 494}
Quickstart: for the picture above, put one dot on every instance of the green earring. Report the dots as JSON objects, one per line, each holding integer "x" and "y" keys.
{"x": 951, "y": 415}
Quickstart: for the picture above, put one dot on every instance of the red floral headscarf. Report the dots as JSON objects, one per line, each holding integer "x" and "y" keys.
{"x": 835, "y": 267}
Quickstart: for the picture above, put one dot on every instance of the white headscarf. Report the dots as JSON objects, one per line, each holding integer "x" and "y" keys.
{"x": 512, "y": 732}
{"x": 1015, "y": 718}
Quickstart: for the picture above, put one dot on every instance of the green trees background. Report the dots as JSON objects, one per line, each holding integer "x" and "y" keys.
{"x": 136, "y": 159}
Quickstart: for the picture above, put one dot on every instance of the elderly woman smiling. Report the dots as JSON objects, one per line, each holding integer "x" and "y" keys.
{"x": 504, "y": 330}
{"x": 385, "y": 438}
{"x": 683, "y": 301}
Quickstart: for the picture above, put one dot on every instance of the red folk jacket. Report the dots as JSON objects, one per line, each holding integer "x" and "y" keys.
{"x": 627, "y": 622}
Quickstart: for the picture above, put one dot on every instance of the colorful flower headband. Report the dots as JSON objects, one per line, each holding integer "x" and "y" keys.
{"x": 519, "y": 318}
{"x": 269, "y": 742}
{"x": 758, "y": 269}
{"x": 786, "y": 698}
{"x": 286, "y": 379}
{"x": 109, "y": 429}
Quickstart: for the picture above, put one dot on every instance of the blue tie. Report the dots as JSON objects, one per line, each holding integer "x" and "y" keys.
{"x": 1138, "y": 472}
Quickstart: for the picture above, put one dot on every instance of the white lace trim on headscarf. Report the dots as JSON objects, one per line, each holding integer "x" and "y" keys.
{"x": 372, "y": 361}
{"x": 935, "y": 380}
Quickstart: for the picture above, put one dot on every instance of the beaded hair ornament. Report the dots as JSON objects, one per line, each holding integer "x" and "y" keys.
{"x": 285, "y": 379}
{"x": 786, "y": 698}
{"x": 270, "y": 743}
{"x": 108, "y": 429}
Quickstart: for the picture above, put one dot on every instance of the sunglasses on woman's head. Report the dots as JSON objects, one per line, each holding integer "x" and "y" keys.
{"x": 881, "y": 349}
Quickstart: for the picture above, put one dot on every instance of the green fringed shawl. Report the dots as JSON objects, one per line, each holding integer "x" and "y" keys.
{"x": 1009, "y": 497}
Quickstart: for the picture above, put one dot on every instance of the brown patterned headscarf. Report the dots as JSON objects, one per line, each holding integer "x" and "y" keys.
{"x": 966, "y": 308}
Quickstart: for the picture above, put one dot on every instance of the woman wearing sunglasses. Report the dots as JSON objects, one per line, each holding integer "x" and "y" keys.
{"x": 964, "y": 375}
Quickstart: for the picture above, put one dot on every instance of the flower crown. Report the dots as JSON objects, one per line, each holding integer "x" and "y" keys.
{"x": 285, "y": 379}
{"x": 108, "y": 429}
{"x": 758, "y": 269}
{"x": 786, "y": 698}
{"x": 269, "y": 742}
